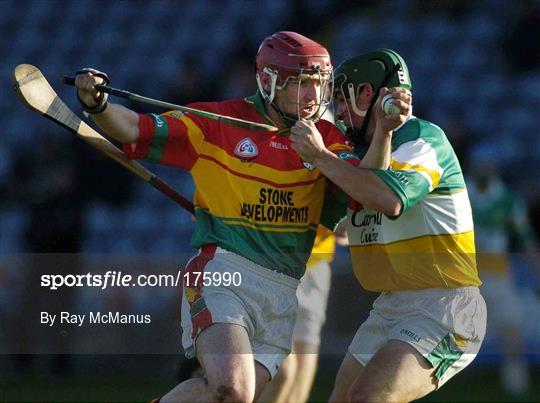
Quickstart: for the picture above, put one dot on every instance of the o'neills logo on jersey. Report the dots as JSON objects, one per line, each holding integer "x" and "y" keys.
{"x": 279, "y": 146}
{"x": 246, "y": 149}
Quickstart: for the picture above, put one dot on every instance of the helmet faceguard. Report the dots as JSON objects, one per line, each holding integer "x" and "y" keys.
{"x": 380, "y": 68}
{"x": 290, "y": 58}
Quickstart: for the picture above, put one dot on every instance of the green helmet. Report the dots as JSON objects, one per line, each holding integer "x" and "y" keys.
{"x": 373, "y": 67}
{"x": 380, "y": 68}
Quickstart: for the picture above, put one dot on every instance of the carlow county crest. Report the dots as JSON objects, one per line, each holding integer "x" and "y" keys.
{"x": 246, "y": 149}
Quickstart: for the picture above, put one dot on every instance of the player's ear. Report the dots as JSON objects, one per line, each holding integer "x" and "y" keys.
{"x": 369, "y": 91}
{"x": 364, "y": 95}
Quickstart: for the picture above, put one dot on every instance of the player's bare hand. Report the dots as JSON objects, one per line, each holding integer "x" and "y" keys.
{"x": 85, "y": 81}
{"x": 401, "y": 100}
{"x": 306, "y": 140}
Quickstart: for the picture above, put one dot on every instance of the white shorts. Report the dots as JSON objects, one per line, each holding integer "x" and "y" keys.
{"x": 446, "y": 326}
{"x": 264, "y": 303}
{"x": 312, "y": 296}
{"x": 505, "y": 306}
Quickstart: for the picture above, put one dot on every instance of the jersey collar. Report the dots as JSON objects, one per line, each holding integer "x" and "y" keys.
{"x": 257, "y": 101}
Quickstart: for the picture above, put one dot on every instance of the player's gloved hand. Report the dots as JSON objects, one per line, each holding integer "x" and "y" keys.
{"x": 92, "y": 101}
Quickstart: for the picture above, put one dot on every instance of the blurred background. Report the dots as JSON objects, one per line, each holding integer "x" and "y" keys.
{"x": 475, "y": 68}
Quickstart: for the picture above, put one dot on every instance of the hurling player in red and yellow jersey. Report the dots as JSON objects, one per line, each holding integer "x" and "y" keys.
{"x": 257, "y": 208}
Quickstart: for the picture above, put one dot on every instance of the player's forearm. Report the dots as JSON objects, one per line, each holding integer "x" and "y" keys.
{"x": 379, "y": 152}
{"x": 119, "y": 122}
{"x": 359, "y": 183}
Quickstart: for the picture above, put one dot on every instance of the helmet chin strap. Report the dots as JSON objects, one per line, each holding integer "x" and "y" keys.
{"x": 358, "y": 136}
{"x": 352, "y": 96}
{"x": 289, "y": 119}
{"x": 354, "y": 134}
{"x": 273, "y": 81}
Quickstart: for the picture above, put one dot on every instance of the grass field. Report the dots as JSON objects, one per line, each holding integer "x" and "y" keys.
{"x": 141, "y": 378}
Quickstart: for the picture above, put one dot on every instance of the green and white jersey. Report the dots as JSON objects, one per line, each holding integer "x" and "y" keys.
{"x": 498, "y": 214}
{"x": 431, "y": 244}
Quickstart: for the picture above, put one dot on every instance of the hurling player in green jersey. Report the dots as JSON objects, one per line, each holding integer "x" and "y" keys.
{"x": 502, "y": 226}
{"x": 411, "y": 238}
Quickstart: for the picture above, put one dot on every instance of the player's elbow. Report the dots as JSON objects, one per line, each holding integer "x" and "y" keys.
{"x": 394, "y": 208}
{"x": 388, "y": 204}
{"x": 391, "y": 208}
{"x": 127, "y": 136}
{"x": 128, "y": 132}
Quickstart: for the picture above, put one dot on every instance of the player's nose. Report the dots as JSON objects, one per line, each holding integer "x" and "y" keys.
{"x": 311, "y": 92}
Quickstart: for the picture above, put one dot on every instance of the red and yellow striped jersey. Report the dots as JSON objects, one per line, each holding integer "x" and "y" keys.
{"x": 254, "y": 195}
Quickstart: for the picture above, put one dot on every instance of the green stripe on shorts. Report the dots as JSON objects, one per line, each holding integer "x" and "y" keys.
{"x": 160, "y": 138}
{"x": 197, "y": 307}
{"x": 443, "y": 356}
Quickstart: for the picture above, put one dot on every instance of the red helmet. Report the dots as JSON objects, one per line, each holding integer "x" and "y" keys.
{"x": 288, "y": 56}
{"x": 291, "y": 54}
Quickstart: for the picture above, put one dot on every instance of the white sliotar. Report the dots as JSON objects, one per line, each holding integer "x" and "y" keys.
{"x": 388, "y": 106}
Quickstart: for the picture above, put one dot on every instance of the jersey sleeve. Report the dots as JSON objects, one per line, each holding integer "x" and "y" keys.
{"x": 414, "y": 172}
{"x": 336, "y": 200}
{"x": 172, "y": 138}
{"x": 334, "y": 206}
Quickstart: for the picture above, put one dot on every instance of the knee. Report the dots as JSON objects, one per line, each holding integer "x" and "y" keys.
{"x": 233, "y": 393}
